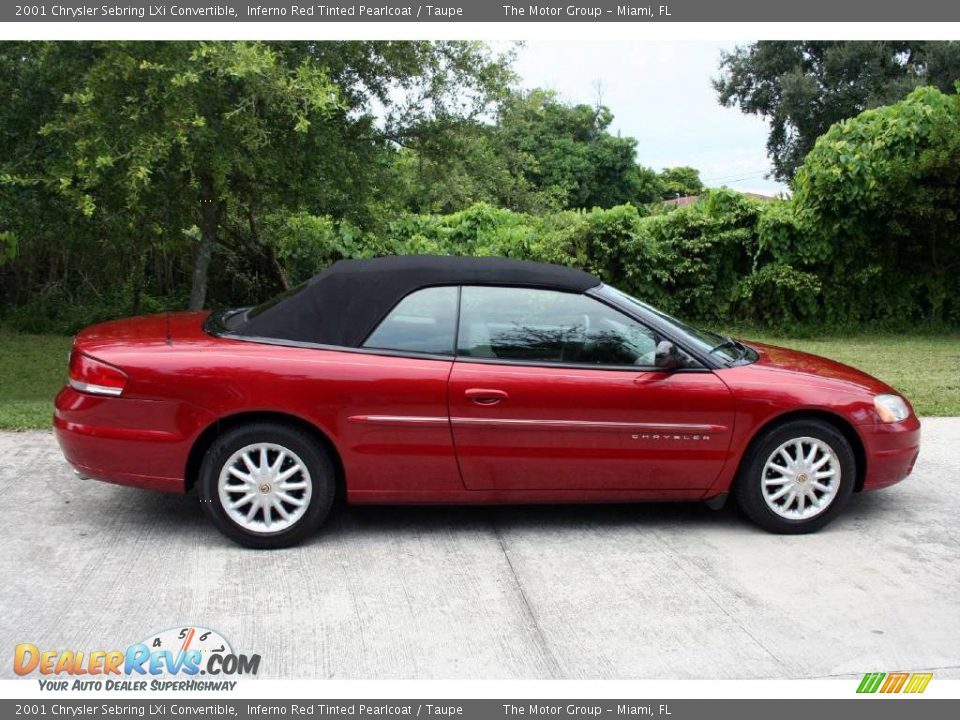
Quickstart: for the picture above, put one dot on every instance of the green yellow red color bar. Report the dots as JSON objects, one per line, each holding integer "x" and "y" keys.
{"x": 894, "y": 682}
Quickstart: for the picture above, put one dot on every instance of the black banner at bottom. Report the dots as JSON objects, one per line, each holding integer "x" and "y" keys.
{"x": 874, "y": 708}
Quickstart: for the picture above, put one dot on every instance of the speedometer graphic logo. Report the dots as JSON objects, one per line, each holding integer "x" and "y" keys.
{"x": 196, "y": 643}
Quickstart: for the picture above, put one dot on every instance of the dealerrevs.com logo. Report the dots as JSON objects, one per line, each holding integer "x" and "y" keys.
{"x": 184, "y": 658}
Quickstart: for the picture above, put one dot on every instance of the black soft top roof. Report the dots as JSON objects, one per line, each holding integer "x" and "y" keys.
{"x": 342, "y": 305}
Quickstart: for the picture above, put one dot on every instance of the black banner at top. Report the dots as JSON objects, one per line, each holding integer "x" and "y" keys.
{"x": 481, "y": 11}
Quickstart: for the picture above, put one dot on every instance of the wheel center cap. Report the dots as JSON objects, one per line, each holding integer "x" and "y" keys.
{"x": 265, "y": 488}
{"x": 801, "y": 478}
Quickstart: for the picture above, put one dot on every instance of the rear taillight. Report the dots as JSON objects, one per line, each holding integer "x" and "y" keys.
{"x": 95, "y": 376}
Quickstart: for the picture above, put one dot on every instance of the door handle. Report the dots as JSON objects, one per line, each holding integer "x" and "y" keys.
{"x": 483, "y": 396}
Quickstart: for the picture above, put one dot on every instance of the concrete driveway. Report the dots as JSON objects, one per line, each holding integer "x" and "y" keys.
{"x": 642, "y": 591}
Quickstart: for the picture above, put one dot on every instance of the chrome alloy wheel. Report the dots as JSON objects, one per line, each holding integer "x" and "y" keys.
{"x": 265, "y": 488}
{"x": 801, "y": 478}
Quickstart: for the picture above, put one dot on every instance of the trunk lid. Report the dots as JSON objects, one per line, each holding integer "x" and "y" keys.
{"x": 142, "y": 331}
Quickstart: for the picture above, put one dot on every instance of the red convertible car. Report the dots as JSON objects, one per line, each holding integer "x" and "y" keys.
{"x": 469, "y": 380}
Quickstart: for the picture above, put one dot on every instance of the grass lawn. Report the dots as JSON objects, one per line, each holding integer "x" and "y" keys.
{"x": 925, "y": 368}
{"x": 33, "y": 368}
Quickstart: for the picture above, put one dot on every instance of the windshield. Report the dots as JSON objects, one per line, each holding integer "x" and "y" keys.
{"x": 707, "y": 341}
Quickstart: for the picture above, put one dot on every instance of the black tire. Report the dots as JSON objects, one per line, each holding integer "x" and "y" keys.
{"x": 313, "y": 457}
{"x": 748, "y": 486}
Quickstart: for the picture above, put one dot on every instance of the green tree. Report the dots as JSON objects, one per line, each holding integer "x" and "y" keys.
{"x": 803, "y": 87}
{"x": 149, "y": 125}
{"x": 568, "y": 153}
{"x": 878, "y": 203}
{"x": 456, "y": 164}
{"x": 538, "y": 154}
{"x": 35, "y": 220}
{"x": 140, "y": 151}
{"x": 681, "y": 181}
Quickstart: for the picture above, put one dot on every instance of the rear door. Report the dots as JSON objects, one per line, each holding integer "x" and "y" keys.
{"x": 559, "y": 391}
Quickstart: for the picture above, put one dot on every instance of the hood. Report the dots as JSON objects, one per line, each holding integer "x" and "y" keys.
{"x": 797, "y": 366}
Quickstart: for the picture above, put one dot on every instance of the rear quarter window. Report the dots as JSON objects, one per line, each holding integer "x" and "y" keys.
{"x": 423, "y": 322}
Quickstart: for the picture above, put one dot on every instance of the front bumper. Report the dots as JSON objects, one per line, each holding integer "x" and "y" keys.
{"x": 891, "y": 451}
{"x": 141, "y": 443}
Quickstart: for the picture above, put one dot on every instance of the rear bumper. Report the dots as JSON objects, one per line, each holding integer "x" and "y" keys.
{"x": 140, "y": 443}
{"x": 891, "y": 451}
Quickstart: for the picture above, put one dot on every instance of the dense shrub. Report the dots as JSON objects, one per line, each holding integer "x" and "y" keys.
{"x": 777, "y": 295}
{"x": 690, "y": 261}
{"x": 878, "y": 199}
{"x": 701, "y": 251}
{"x": 53, "y": 310}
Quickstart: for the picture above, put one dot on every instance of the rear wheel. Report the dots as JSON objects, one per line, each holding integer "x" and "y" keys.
{"x": 266, "y": 485}
{"x": 796, "y": 477}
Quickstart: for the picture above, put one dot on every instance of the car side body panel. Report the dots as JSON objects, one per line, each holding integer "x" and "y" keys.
{"x": 389, "y": 417}
{"x": 567, "y": 428}
{"x": 354, "y": 399}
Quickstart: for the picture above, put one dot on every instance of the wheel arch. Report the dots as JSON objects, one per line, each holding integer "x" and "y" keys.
{"x": 207, "y": 437}
{"x": 842, "y": 425}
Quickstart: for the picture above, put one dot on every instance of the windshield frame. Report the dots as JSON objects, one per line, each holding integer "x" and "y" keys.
{"x": 691, "y": 339}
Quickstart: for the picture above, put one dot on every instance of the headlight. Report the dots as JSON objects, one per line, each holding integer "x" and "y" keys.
{"x": 891, "y": 408}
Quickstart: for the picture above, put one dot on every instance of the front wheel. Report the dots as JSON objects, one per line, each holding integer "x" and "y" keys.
{"x": 796, "y": 477}
{"x": 266, "y": 485}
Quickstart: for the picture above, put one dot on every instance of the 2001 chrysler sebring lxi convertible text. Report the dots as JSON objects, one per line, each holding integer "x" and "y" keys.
{"x": 469, "y": 380}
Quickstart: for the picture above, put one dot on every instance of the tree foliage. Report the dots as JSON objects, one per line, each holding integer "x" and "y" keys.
{"x": 169, "y": 150}
{"x": 538, "y": 154}
{"x": 683, "y": 181}
{"x": 122, "y": 164}
{"x": 154, "y": 129}
{"x": 569, "y": 153}
{"x": 803, "y": 87}
{"x": 878, "y": 199}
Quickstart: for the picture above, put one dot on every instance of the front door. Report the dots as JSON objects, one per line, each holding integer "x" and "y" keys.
{"x": 558, "y": 391}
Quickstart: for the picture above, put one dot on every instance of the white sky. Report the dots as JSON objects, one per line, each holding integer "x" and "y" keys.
{"x": 659, "y": 93}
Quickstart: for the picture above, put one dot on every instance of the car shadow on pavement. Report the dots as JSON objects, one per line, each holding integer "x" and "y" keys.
{"x": 182, "y": 515}
{"x": 559, "y": 518}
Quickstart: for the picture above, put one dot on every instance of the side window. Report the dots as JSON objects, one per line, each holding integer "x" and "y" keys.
{"x": 424, "y": 321}
{"x": 548, "y": 326}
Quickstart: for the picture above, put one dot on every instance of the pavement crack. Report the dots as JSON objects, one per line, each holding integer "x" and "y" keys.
{"x": 553, "y": 665}
{"x": 680, "y": 563}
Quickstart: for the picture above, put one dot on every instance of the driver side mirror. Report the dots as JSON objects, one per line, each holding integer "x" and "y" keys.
{"x": 667, "y": 357}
